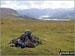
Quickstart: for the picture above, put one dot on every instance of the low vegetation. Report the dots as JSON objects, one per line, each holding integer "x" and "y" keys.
{"x": 55, "y": 35}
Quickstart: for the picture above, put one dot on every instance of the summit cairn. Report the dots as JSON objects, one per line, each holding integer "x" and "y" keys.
{"x": 26, "y": 40}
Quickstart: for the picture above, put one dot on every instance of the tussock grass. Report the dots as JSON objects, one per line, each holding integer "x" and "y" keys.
{"x": 55, "y": 35}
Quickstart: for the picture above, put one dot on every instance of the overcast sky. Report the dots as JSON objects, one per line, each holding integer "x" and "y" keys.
{"x": 37, "y": 4}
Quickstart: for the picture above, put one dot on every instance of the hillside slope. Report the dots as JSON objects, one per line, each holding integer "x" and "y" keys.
{"x": 7, "y": 13}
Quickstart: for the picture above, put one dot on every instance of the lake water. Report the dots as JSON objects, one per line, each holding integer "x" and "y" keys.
{"x": 57, "y": 19}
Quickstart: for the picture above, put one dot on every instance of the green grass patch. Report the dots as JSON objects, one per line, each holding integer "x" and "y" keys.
{"x": 55, "y": 35}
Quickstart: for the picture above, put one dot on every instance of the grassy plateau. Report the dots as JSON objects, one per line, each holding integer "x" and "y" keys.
{"x": 55, "y": 35}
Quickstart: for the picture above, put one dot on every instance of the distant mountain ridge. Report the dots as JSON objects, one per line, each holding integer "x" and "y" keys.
{"x": 7, "y": 13}
{"x": 67, "y": 14}
{"x": 59, "y": 13}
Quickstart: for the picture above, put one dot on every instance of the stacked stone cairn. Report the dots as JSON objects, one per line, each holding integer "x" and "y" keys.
{"x": 26, "y": 40}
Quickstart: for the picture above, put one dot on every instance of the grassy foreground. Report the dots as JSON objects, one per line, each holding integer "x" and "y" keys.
{"x": 55, "y": 35}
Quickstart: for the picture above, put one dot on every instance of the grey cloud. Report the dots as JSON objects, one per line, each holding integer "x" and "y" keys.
{"x": 38, "y": 2}
{"x": 2, "y": 3}
{"x": 23, "y": 3}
